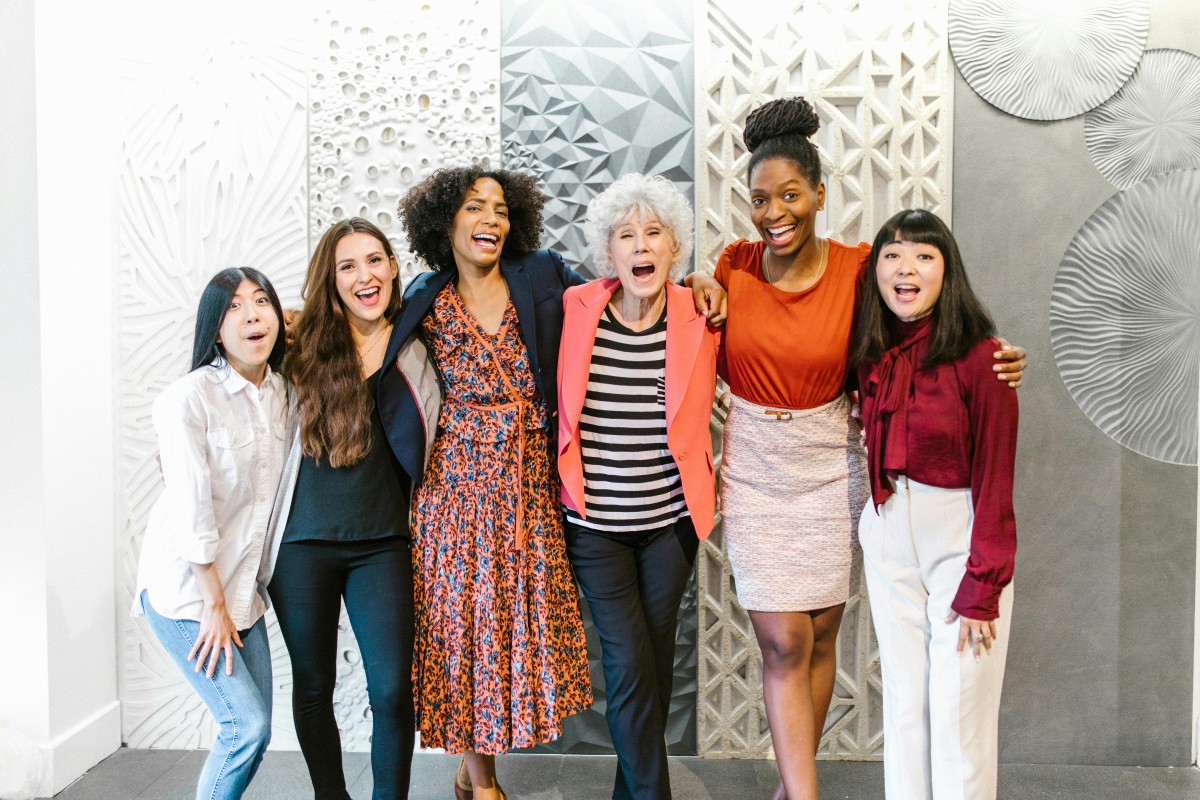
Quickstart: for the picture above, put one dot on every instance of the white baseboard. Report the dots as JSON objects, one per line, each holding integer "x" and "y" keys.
{"x": 81, "y": 748}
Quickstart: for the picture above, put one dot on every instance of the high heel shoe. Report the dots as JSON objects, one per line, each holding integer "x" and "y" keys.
{"x": 462, "y": 788}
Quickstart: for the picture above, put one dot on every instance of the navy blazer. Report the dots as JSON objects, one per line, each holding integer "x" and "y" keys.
{"x": 536, "y": 283}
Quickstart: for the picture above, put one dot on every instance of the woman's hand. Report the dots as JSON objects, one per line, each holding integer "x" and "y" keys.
{"x": 217, "y": 631}
{"x": 291, "y": 318}
{"x": 974, "y": 632}
{"x": 709, "y": 296}
{"x": 217, "y": 634}
{"x": 1011, "y": 366}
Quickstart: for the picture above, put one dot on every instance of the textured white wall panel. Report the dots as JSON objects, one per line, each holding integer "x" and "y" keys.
{"x": 211, "y": 175}
{"x": 397, "y": 90}
{"x": 238, "y": 147}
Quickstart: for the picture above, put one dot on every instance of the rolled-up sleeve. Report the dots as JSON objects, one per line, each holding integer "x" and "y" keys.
{"x": 180, "y": 422}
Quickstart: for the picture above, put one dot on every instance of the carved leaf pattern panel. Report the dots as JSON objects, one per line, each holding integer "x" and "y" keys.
{"x": 211, "y": 176}
{"x": 236, "y": 151}
{"x": 879, "y": 76}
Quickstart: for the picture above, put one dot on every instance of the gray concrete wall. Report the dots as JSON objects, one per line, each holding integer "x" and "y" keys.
{"x": 1100, "y": 669}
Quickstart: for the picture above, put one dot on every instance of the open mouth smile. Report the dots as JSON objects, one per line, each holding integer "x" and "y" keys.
{"x": 780, "y": 234}
{"x": 369, "y": 296}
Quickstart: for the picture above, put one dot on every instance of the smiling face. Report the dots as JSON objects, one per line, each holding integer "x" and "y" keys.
{"x": 248, "y": 331}
{"x": 783, "y": 206}
{"x": 364, "y": 276}
{"x": 910, "y": 278}
{"x": 642, "y": 250}
{"x": 480, "y": 226}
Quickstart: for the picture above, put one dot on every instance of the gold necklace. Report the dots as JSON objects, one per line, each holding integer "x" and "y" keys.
{"x": 820, "y": 265}
{"x": 362, "y": 357}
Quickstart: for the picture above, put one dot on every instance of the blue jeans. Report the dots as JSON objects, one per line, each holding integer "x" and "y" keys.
{"x": 241, "y": 702}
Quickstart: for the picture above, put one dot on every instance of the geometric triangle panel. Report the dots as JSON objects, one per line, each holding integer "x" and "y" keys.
{"x": 592, "y": 92}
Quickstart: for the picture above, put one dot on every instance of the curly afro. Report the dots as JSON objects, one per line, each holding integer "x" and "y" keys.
{"x": 781, "y": 129}
{"x": 427, "y": 212}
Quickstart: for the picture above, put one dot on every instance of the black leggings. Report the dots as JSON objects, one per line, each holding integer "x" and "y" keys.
{"x": 375, "y": 578}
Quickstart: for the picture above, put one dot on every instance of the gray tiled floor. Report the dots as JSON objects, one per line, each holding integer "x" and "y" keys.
{"x": 171, "y": 775}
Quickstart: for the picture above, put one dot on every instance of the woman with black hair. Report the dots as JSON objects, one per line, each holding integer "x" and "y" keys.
{"x": 939, "y": 535}
{"x": 210, "y": 542}
{"x": 794, "y": 476}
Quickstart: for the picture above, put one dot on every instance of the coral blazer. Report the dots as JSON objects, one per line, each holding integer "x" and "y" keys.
{"x": 690, "y": 385}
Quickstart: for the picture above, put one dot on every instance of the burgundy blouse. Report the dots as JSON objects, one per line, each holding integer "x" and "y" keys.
{"x": 953, "y": 426}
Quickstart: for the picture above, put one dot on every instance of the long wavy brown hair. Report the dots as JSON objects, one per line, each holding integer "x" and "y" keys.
{"x": 333, "y": 402}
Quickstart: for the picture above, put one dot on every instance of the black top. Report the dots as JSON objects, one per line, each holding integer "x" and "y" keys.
{"x": 367, "y": 500}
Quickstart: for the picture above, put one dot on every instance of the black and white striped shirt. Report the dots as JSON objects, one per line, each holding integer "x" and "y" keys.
{"x": 630, "y": 480}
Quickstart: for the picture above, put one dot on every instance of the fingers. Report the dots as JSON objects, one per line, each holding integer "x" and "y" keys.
{"x": 228, "y": 656}
{"x": 963, "y": 632}
{"x": 214, "y": 656}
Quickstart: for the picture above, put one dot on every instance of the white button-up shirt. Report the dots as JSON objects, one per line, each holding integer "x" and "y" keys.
{"x": 222, "y": 444}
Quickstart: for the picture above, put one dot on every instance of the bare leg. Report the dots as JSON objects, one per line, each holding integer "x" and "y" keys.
{"x": 786, "y": 641}
{"x": 823, "y": 668}
{"x": 799, "y": 665}
{"x": 482, "y": 770}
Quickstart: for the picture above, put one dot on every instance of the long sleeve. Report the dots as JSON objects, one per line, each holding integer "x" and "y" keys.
{"x": 180, "y": 423}
{"x": 993, "y": 417}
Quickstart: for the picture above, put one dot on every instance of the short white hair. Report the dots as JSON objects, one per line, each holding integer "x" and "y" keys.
{"x": 649, "y": 196}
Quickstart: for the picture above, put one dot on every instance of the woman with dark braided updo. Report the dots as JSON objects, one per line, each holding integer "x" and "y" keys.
{"x": 794, "y": 476}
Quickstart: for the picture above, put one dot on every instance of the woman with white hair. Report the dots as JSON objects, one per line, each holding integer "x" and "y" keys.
{"x": 637, "y": 372}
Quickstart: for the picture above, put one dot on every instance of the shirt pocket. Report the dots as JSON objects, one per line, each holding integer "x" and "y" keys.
{"x": 230, "y": 460}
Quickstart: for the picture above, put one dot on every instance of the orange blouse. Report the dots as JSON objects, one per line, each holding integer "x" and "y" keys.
{"x": 788, "y": 349}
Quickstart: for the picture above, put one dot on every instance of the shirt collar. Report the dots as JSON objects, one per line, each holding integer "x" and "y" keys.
{"x": 233, "y": 381}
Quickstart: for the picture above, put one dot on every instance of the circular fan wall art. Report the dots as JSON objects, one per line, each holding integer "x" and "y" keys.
{"x": 1152, "y": 124}
{"x": 1125, "y": 316}
{"x": 1047, "y": 59}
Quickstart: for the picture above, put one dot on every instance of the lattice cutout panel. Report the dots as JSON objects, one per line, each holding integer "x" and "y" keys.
{"x": 880, "y": 77}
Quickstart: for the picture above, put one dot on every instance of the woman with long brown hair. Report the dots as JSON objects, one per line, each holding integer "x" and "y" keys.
{"x": 346, "y": 536}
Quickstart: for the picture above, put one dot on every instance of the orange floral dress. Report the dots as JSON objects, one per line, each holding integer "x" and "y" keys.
{"x": 500, "y": 655}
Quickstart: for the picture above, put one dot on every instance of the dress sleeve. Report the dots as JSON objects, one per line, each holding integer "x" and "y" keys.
{"x": 181, "y": 426}
{"x": 992, "y": 413}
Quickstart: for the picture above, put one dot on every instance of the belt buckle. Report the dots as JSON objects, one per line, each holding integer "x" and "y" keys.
{"x": 780, "y": 416}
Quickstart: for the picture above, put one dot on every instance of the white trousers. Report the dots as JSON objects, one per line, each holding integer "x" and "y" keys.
{"x": 940, "y": 707}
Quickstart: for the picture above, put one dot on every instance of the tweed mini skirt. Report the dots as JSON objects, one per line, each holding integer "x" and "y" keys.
{"x": 793, "y": 485}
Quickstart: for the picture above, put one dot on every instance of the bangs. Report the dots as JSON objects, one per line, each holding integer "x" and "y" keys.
{"x": 919, "y": 227}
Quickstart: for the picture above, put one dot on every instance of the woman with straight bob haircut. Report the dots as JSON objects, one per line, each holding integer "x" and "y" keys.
{"x": 346, "y": 537}
{"x": 939, "y": 535}
{"x": 210, "y": 542}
